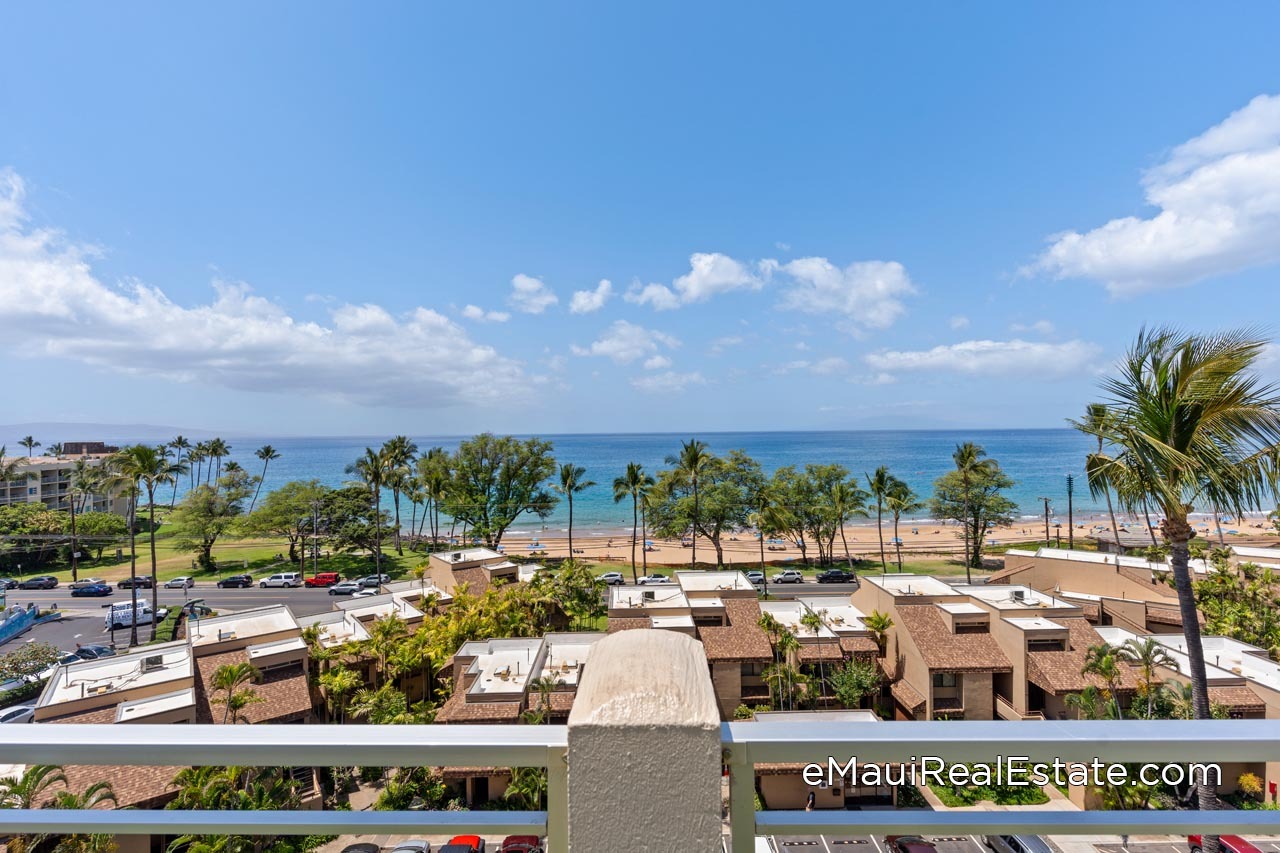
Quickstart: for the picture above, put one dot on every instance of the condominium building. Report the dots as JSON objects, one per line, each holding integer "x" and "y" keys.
{"x": 475, "y": 568}
{"x": 47, "y": 480}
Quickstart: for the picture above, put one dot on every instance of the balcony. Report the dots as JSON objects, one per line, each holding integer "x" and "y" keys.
{"x": 639, "y": 766}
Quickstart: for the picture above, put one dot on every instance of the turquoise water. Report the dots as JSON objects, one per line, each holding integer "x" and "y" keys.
{"x": 1038, "y": 460}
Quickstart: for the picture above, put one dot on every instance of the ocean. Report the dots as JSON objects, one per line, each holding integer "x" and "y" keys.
{"x": 1038, "y": 460}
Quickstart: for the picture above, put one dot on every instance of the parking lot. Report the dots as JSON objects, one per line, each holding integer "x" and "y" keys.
{"x": 871, "y": 844}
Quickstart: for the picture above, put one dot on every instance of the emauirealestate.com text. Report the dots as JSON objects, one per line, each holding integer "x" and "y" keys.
{"x": 1015, "y": 770}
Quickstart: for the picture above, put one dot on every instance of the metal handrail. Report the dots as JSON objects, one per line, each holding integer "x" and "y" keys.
{"x": 1158, "y": 742}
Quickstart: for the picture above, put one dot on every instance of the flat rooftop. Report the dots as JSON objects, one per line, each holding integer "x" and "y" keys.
{"x": 1012, "y": 596}
{"x": 150, "y": 666}
{"x": 375, "y": 606}
{"x": 1248, "y": 552}
{"x": 905, "y": 585}
{"x": 469, "y": 555}
{"x": 502, "y": 666}
{"x": 694, "y": 581}
{"x": 1237, "y": 658}
{"x": 1118, "y": 636}
{"x": 836, "y": 611}
{"x": 789, "y": 614}
{"x": 1109, "y": 559}
{"x": 338, "y": 627}
{"x": 140, "y": 709}
{"x": 853, "y": 716}
{"x": 961, "y": 608}
{"x": 665, "y": 596}
{"x": 566, "y": 654}
{"x": 257, "y": 622}
{"x": 1034, "y": 623}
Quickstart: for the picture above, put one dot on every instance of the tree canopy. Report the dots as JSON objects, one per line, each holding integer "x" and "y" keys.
{"x": 496, "y": 479}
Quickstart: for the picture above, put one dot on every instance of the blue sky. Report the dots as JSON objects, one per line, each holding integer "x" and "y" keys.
{"x": 326, "y": 219}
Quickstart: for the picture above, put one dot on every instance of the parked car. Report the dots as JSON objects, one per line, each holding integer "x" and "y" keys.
{"x": 366, "y": 593}
{"x": 413, "y": 845}
{"x": 456, "y": 848}
{"x": 17, "y": 714}
{"x": 373, "y": 581}
{"x": 180, "y": 583}
{"x": 345, "y": 588}
{"x": 755, "y": 576}
{"x": 1016, "y": 843}
{"x": 321, "y": 579}
{"x": 236, "y": 582}
{"x": 93, "y": 589}
{"x": 83, "y": 582}
{"x": 612, "y": 579}
{"x": 1230, "y": 843}
{"x": 909, "y": 844}
{"x": 788, "y": 576}
{"x": 93, "y": 652}
{"x": 473, "y": 843}
{"x": 521, "y": 844}
{"x": 141, "y": 582}
{"x": 39, "y": 582}
{"x": 836, "y": 576}
{"x": 64, "y": 658}
{"x": 654, "y": 578}
{"x": 122, "y": 614}
{"x": 282, "y": 579}
{"x": 8, "y": 583}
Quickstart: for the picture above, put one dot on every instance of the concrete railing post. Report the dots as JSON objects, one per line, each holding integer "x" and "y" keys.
{"x": 644, "y": 747}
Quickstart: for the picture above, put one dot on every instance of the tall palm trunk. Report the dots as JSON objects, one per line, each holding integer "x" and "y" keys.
{"x": 377, "y": 529}
{"x": 155, "y": 585}
{"x": 133, "y": 567}
{"x": 75, "y": 560}
{"x": 884, "y": 565}
{"x": 569, "y": 495}
{"x": 644, "y": 537}
{"x": 693, "y": 558}
{"x": 761, "y": 552}
{"x": 897, "y": 542}
{"x": 1178, "y": 533}
{"x": 1146, "y": 513}
{"x": 395, "y": 499}
{"x": 635, "y": 531}
{"x": 847, "y": 560}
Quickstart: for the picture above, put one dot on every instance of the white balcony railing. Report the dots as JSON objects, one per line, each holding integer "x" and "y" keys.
{"x": 620, "y": 777}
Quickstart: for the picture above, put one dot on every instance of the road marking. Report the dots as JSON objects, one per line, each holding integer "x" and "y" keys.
{"x": 976, "y": 843}
{"x": 876, "y": 843}
{"x": 825, "y": 845}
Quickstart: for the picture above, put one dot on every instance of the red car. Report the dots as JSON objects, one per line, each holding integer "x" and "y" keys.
{"x": 909, "y": 844}
{"x": 322, "y": 579}
{"x": 521, "y": 844}
{"x": 474, "y": 843}
{"x": 1230, "y": 843}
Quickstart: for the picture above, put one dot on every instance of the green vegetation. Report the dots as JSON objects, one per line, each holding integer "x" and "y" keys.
{"x": 972, "y": 496}
{"x": 1000, "y": 793}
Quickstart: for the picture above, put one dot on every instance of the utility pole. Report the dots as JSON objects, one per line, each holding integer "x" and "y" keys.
{"x": 1048, "y": 543}
{"x": 1071, "y": 525}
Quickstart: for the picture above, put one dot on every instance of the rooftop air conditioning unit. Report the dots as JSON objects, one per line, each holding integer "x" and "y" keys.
{"x": 650, "y": 595}
{"x": 152, "y": 663}
{"x": 456, "y": 557}
{"x": 1019, "y": 595}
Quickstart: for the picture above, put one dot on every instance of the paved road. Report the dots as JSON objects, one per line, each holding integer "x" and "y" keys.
{"x": 870, "y": 844}
{"x": 1179, "y": 845}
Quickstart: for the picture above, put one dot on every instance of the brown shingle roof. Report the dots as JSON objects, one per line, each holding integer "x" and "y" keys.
{"x": 1240, "y": 699}
{"x": 476, "y": 580}
{"x": 741, "y": 639}
{"x": 97, "y": 715}
{"x": 458, "y": 710}
{"x": 821, "y": 652}
{"x": 947, "y": 652}
{"x": 133, "y": 786}
{"x": 860, "y": 646}
{"x": 560, "y": 701}
{"x": 1167, "y": 614}
{"x": 285, "y": 693}
{"x": 908, "y": 697}
{"x": 1059, "y": 672}
{"x": 628, "y": 623}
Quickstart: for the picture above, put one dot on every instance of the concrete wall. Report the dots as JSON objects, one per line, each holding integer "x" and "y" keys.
{"x": 1105, "y": 579}
{"x": 979, "y": 704}
{"x": 726, "y": 679}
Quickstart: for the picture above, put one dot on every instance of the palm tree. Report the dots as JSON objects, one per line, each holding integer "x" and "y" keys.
{"x": 337, "y": 683}
{"x": 398, "y": 454}
{"x": 693, "y": 459}
{"x": 879, "y": 485}
{"x": 1192, "y": 419}
{"x": 635, "y": 483}
{"x": 969, "y": 461}
{"x": 764, "y": 517}
{"x": 83, "y": 480}
{"x": 54, "y": 450}
{"x": 267, "y": 454}
{"x": 1097, "y": 422}
{"x": 146, "y": 467}
{"x": 181, "y": 446}
{"x": 1146, "y": 655}
{"x": 1103, "y": 661}
{"x": 572, "y": 481}
{"x": 217, "y": 450}
{"x": 11, "y": 469}
{"x": 28, "y": 790}
{"x": 30, "y": 444}
{"x": 371, "y": 469}
{"x": 230, "y": 680}
{"x": 846, "y": 501}
{"x": 901, "y": 501}
{"x": 879, "y": 624}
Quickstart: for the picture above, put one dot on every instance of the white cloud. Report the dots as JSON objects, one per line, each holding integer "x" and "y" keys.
{"x": 1218, "y": 201}
{"x": 822, "y": 367}
{"x": 719, "y": 345}
{"x": 959, "y": 321}
{"x": 656, "y": 362}
{"x": 657, "y": 295}
{"x": 475, "y": 312}
{"x": 529, "y": 295}
{"x": 711, "y": 273}
{"x": 669, "y": 382}
{"x": 863, "y": 295}
{"x": 782, "y": 247}
{"x": 586, "y": 301}
{"x": 1042, "y": 327}
{"x": 992, "y": 358}
{"x": 625, "y": 342}
{"x": 52, "y": 304}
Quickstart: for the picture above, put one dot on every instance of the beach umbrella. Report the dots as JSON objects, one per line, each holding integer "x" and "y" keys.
{"x": 648, "y": 541}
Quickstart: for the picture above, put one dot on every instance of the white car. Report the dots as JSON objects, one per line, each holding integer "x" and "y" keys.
{"x": 283, "y": 579}
{"x": 788, "y": 576}
{"x": 413, "y": 845}
{"x": 180, "y": 583}
{"x": 17, "y": 714}
{"x": 650, "y": 579}
{"x": 612, "y": 579}
{"x": 83, "y": 582}
{"x": 366, "y": 593}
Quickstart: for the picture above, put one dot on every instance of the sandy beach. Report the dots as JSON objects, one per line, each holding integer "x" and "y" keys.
{"x": 920, "y": 540}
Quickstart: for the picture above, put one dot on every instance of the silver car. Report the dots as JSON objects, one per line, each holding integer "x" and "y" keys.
{"x": 17, "y": 714}
{"x": 1016, "y": 843}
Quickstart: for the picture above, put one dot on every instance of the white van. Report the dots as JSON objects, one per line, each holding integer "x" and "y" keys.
{"x": 288, "y": 579}
{"x": 121, "y": 614}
